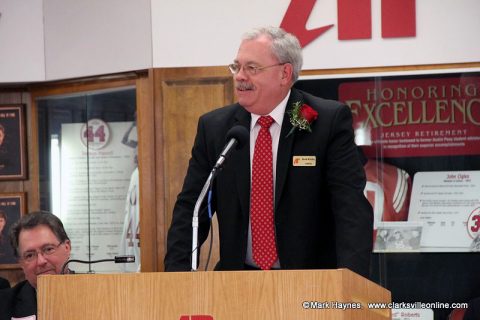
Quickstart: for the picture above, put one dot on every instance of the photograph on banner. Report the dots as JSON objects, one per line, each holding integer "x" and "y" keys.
{"x": 12, "y": 208}
{"x": 12, "y": 143}
{"x": 402, "y": 236}
{"x": 97, "y": 169}
{"x": 405, "y": 124}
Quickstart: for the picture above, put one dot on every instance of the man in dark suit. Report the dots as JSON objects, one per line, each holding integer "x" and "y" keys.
{"x": 42, "y": 247}
{"x": 320, "y": 217}
{"x": 473, "y": 310}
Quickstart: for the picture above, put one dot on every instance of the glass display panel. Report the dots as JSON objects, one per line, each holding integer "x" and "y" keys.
{"x": 419, "y": 138}
{"x": 89, "y": 174}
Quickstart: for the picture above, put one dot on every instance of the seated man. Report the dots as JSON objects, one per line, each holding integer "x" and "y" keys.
{"x": 42, "y": 247}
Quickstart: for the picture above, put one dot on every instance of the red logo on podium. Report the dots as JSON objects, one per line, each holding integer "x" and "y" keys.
{"x": 196, "y": 317}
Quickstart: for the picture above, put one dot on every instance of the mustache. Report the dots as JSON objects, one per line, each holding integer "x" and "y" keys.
{"x": 244, "y": 86}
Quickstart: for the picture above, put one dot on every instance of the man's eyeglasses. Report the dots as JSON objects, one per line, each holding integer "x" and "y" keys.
{"x": 46, "y": 250}
{"x": 249, "y": 69}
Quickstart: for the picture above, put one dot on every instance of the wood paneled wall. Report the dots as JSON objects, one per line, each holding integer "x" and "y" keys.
{"x": 181, "y": 96}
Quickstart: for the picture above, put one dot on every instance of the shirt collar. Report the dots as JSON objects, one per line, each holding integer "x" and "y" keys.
{"x": 276, "y": 114}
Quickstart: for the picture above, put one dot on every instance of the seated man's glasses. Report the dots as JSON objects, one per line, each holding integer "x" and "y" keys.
{"x": 46, "y": 250}
{"x": 249, "y": 69}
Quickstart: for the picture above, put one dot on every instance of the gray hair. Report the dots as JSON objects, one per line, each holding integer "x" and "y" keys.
{"x": 285, "y": 46}
{"x": 33, "y": 220}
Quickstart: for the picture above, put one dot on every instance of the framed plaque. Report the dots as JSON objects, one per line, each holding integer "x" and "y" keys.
{"x": 12, "y": 208}
{"x": 13, "y": 162}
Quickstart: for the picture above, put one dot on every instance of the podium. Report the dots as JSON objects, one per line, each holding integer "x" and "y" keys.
{"x": 211, "y": 295}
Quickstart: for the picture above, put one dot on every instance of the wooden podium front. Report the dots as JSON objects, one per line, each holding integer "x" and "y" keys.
{"x": 266, "y": 295}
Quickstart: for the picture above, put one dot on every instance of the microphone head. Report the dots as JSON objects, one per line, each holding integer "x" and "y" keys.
{"x": 124, "y": 259}
{"x": 239, "y": 133}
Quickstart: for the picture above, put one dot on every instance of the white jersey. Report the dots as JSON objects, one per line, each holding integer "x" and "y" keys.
{"x": 130, "y": 241}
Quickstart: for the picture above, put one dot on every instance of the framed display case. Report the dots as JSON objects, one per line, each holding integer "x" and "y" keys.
{"x": 418, "y": 135}
{"x": 89, "y": 173}
{"x": 12, "y": 208}
{"x": 13, "y": 157}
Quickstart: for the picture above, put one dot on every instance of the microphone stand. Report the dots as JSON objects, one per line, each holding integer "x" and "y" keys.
{"x": 230, "y": 145}
{"x": 195, "y": 223}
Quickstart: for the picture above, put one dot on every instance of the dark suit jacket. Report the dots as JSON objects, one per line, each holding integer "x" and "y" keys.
{"x": 19, "y": 301}
{"x": 4, "y": 283}
{"x": 473, "y": 310}
{"x": 322, "y": 217}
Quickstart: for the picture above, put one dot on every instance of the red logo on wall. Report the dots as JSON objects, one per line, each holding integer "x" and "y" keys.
{"x": 354, "y": 20}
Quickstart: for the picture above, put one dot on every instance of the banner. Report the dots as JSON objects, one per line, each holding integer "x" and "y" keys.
{"x": 398, "y": 121}
{"x": 415, "y": 118}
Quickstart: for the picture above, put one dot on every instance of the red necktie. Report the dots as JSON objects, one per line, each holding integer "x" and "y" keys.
{"x": 261, "y": 198}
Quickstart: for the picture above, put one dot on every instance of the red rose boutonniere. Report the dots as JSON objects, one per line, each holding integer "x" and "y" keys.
{"x": 301, "y": 117}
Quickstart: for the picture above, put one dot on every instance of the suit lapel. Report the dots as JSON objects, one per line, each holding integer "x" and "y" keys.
{"x": 242, "y": 165}
{"x": 285, "y": 147}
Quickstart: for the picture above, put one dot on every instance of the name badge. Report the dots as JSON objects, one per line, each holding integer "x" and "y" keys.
{"x": 304, "y": 161}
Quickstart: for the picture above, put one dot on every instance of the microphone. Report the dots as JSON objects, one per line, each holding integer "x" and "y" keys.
{"x": 236, "y": 137}
{"x": 116, "y": 259}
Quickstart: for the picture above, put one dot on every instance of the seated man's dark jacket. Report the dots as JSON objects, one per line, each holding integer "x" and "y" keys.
{"x": 19, "y": 301}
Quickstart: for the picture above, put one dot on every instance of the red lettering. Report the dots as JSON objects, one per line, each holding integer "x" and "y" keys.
{"x": 354, "y": 19}
{"x": 295, "y": 21}
{"x": 88, "y": 133}
{"x": 476, "y": 226}
{"x": 100, "y": 133}
{"x": 398, "y": 18}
